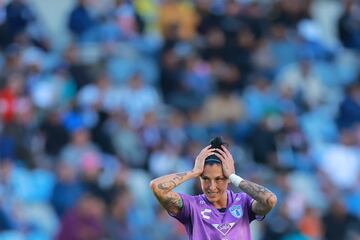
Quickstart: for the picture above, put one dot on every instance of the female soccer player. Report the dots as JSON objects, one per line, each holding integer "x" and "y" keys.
{"x": 218, "y": 213}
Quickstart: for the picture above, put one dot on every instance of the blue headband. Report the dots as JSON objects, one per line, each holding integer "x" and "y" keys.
{"x": 212, "y": 159}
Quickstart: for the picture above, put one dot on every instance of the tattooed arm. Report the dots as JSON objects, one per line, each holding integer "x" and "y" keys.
{"x": 163, "y": 190}
{"x": 265, "y": 200}
{"x": 163, "y": 186}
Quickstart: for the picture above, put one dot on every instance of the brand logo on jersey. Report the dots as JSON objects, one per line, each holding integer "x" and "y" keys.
{"x": 236, "y": 211}
{"x": 202, "y": 202}
{"x": 224, "y": 228}
{"x": 205, "y": 212}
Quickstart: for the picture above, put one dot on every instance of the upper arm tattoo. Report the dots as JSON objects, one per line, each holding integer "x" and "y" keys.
{"x": 172, "y": 202}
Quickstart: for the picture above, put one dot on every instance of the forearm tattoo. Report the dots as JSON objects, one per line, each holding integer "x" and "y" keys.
{"x": 258, "y": 192}
{"x": 171, "y": 184}
{"x": 166, "y": 186}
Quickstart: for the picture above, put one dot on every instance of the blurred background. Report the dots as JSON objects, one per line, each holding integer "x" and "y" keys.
{"x": 97, "y": 97}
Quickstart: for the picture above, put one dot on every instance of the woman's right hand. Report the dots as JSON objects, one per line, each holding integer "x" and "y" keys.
{"x": 200, "y": 159}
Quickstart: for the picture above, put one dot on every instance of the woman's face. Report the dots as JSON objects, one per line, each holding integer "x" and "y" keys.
{"x": 213, "y": 183}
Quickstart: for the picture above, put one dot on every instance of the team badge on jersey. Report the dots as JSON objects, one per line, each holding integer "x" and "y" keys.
{"x": 236, "y": 211}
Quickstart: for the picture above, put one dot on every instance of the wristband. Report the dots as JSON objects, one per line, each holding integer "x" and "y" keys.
{"x": 235, "y": 179}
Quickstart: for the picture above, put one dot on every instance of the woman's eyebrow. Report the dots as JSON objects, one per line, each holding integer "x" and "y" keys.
{"x": 220, "y": 177}
{"x": 217, "y": 177}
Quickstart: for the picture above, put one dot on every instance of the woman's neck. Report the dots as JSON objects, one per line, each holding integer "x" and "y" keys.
{"x": 222, "y": 203}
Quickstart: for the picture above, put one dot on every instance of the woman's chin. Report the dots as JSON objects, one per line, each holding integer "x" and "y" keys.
{"x": 212, "y": 197}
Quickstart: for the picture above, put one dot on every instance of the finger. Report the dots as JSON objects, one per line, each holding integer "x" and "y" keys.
{"x": 222, "y": 152}
{"x": 220, "y": 157}
{"x": 228, "y": 153}
{"x": 205, "y": 154}
{"x": 212, "y": 150}
{"x": 209, "y": 152}
{"x": 205, "y": 149}
{"x": 224, "y": 163}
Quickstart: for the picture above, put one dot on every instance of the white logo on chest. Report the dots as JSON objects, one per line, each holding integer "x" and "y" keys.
{"x": 224, "y": 228}
{"x": 204, "y": 212}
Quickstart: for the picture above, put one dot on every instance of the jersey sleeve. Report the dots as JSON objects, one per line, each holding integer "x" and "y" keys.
{"x": 185, "y": 213}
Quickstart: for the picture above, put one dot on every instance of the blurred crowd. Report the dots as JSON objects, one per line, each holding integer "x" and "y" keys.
{"x": 141, "y": 86}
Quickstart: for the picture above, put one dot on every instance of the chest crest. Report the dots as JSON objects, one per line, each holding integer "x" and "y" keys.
{"x": 236, "y": 211}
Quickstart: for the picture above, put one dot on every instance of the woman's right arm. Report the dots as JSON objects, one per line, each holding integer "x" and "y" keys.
{"x": 163, "y": 186}
{"x": 163, "y": 190}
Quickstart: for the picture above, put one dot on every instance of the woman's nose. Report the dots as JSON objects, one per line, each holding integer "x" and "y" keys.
{"x": 212, "y": 185}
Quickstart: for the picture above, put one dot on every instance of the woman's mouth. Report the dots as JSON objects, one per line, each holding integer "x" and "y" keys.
{"x": 211, "y": 194}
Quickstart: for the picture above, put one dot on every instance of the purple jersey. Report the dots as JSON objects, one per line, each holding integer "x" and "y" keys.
{"x": 204, "y": 222}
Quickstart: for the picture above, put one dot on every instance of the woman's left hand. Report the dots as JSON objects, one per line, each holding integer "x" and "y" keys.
{"x": 227, "y": 160}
